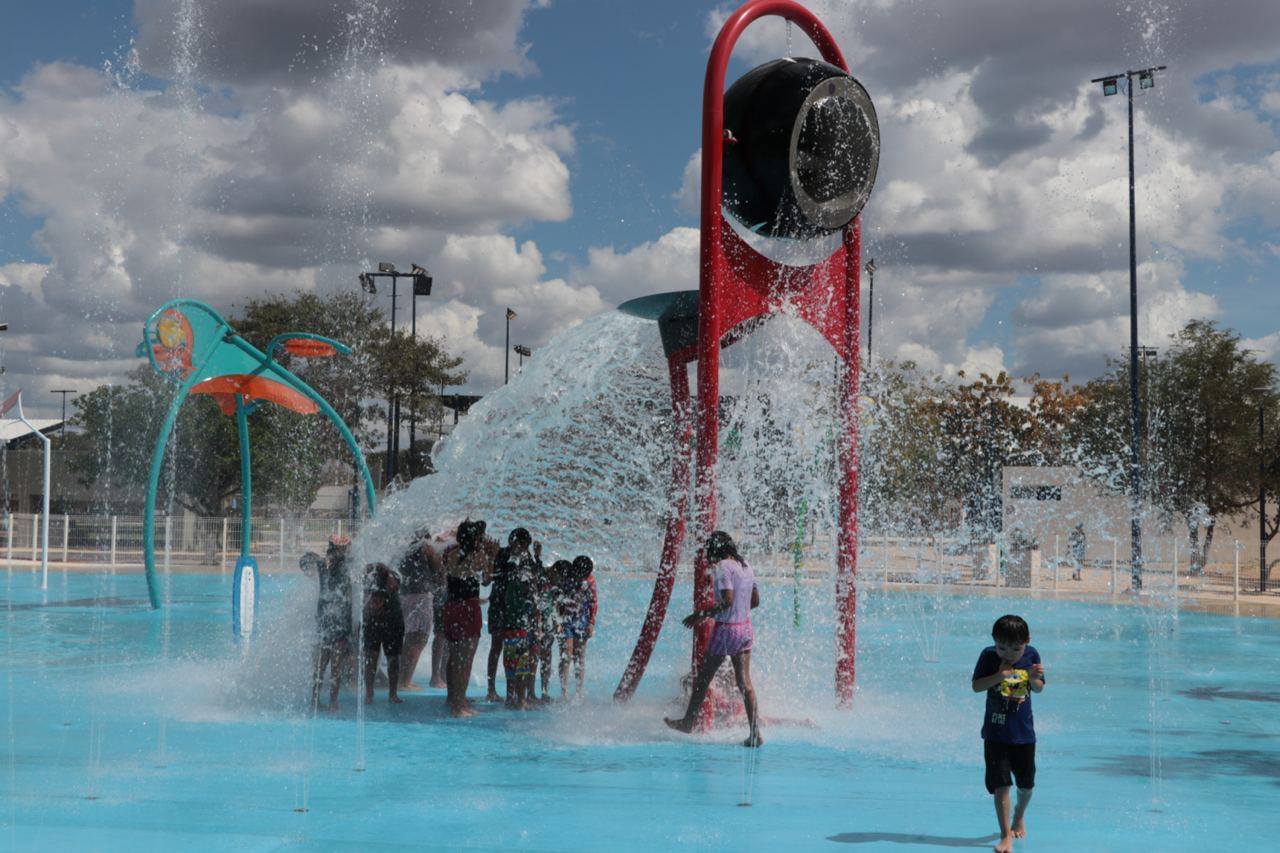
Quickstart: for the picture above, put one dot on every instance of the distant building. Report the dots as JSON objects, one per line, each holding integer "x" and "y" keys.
{"x": 1044, "y": 505}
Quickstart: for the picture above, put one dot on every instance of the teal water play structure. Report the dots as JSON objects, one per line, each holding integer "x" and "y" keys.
{"x": 195, "y": 348}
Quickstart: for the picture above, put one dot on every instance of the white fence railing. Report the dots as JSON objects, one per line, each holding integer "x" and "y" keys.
{"x": 190, "y": 542}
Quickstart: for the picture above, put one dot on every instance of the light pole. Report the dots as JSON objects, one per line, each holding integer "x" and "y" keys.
{"x": 421, "y": 286}
{"x": 871, "y": 304}
{"x": 1110, "y": 85}
{"x": 522, "y": 351}
{"x": 506, "y": 368}
{"x": 62, "y": 427}
{"x": 1262, "y": 487}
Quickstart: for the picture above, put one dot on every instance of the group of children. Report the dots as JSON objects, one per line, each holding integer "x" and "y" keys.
{"x": 436, "y": 584}
{"x": 531, "y": 607}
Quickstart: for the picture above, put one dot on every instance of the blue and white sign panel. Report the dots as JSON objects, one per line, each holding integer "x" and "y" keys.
{"x": 244, "y": 597}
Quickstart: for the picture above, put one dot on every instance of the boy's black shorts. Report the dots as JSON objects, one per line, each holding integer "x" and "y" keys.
{"x": 1009, "y": 761}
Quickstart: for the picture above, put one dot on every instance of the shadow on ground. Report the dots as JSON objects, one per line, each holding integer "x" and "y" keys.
{"x": 912, "y": 838}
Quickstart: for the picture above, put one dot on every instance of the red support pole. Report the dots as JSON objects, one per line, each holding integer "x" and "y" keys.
{"x": 734, "y": 287}
{"x": 847, "y": 532}
{"x": 678, "y": 502}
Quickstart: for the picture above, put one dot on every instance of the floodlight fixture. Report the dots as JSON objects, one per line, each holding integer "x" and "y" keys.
{"x": 421, "y": 280}
{"x": 367, "y": 284}
{"x": 4, "y": 327}
{"x": 383, "y": 266}
{"x": 1146, "y": 79}
{"x": 1111, "y": 86}
{"x": 521, "y": 349}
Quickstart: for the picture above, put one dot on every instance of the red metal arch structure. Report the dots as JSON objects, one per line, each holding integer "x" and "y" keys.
{"x": 736, "y": 286}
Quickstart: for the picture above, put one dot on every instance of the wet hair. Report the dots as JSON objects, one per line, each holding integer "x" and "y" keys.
{"x": 470, "y": 536}
{"x": 519, "y": 535}
{"x": 561, "y": 570}
{"x": 1011, "y": 629}
{"x": 380, "y": 575}
{"x": 583, "y": 566}
{"x": 720, "y": 547}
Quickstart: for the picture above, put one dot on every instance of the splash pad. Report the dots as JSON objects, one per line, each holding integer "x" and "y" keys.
{"x": 130, "y": 733}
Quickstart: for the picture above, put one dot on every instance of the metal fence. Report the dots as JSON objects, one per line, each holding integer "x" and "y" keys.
{"x": 185, "y": 542}
{"x": 200, "y": 544}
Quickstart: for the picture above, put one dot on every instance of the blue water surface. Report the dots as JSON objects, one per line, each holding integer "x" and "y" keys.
{"x": 128, "y": 729}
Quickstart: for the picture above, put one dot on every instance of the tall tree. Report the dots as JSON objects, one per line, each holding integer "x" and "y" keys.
{"x": 1200, "y": 402}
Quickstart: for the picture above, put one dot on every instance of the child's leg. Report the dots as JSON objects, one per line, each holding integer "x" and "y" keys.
{"x": 319, "y": 661}
{"x": 544, "y": 661}
{"x": 414, "y": 643}
{"x": 1001, "y": 796}
{"x": 742, "y": 672}
{"x": 510, "y": 682}
{"x": 698, "y": 695}
{"x": 579, "y": 663}
{"x": 370, "y": 670}
{"x": 393, "y": 678}
{"x": 566, "y": 652}
{"x": 439, "y": 650}
{"x": 1022, "y": 761}
{"x": 495, "y": 655}
{"x": 1019, "y": 826}
{"x": 337, "y": 663}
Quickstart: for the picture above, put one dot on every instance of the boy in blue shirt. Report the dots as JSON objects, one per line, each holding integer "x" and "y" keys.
{"x": 1009, "y": 672}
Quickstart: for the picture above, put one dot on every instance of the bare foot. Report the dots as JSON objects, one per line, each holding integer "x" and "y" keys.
{"x": 469, "y": 712}
{"x": 394, "y": 699}
{"x": 437, "y": 683}
{"x": 754, "y": 739}
{"x": 1019, "y": 828}
{"x": 1005, "y": 845}
{"x": 493, "y": 697}
{"x": 680, "y": 725}
{"x": 411, "y": 687}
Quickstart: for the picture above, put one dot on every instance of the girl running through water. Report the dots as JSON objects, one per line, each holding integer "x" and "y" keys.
{"x": 736, "y": 597}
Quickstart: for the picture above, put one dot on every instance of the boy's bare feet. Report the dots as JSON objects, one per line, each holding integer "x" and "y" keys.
{"x": 411, "y": 686}
{"x": 680, "y": 725}
{"x": 394, "y": 699}
{"x": 754, "y": 739}
{"x": 493, "y": 697}
{"x": 1019, "y": 828}
{"x": 1005, "y": 845}
{"x": 437, "y": 683}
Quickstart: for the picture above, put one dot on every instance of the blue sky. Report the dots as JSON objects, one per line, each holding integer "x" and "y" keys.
{"x": 998, "y": 221}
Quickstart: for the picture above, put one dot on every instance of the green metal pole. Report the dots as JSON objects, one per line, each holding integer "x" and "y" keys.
{"x": 246, "y": 476}
{"x": 797, "y": 556}
{"x": 153, "y": 483}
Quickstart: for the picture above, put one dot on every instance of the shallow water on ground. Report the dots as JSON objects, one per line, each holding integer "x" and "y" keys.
{"x": 129, "y": 729}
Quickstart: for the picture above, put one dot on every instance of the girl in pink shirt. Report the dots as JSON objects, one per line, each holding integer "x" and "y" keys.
{"x": 736, "y": 597}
